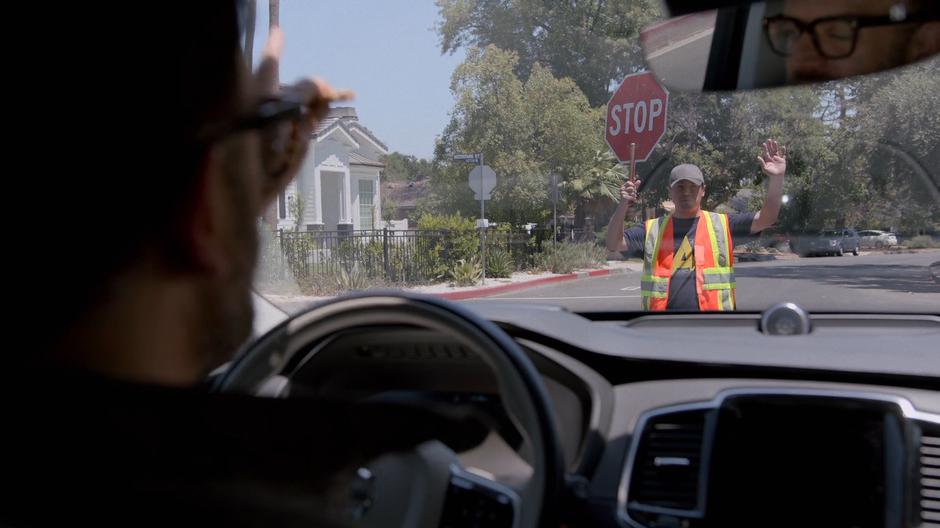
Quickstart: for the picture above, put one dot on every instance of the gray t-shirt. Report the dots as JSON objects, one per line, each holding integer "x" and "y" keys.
{"x": 682, "y": 294}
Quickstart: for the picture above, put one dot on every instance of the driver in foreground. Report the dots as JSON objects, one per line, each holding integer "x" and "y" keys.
{"x": 114, "y": 427}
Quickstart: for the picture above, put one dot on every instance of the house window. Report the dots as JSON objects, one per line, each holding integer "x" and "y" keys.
{"x": 282, "y": 205}
{"x": 366, "y": 204}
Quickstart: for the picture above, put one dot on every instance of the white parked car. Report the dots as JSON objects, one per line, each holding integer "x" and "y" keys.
{"x": 873, "y": 238}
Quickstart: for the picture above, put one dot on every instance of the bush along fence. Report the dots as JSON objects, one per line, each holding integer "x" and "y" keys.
{"x": 403, "y": 256}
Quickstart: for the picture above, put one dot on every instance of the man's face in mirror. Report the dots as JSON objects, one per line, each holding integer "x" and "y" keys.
{"x": 876, "y": 48}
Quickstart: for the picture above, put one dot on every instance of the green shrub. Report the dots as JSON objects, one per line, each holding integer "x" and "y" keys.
{"x": 561, "y": 258}
{"x": 593, "y": 255}
{"x": 499, "y": 263}
{"x": 922, "y": 242}
{"x": 457, "y": 240}
{"x": 324, "y": 283}
{"x": 565, "y": 257}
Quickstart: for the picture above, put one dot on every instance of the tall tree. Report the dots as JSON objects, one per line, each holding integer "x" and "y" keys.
{"x": 895, "y": 128}
{"x": 251, "y": 17}
{"x": 594, "y": 187}
{"x": 405, "y": 167}
{"x": 527, "y": 130}
{"x": 274, "y": 9}
{"x": 594, "y": 42}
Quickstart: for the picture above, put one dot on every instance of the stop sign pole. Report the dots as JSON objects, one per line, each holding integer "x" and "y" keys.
{"x": 482, "y": 228}
{"x": 633, "y": 161}
{"x": 477, "y": 158}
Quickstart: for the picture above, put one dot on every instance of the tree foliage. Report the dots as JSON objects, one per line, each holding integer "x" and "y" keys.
{"x": 593, "y": 42}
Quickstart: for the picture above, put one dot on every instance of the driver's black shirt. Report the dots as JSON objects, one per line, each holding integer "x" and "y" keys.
{"x": 77, "y": 448}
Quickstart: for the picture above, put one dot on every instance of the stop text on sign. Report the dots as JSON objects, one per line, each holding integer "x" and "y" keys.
{"x": 635, "y": 117}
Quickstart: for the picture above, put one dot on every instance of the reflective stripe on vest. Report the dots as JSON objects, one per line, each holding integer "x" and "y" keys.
{"x": 719, "y": 278}
{"x": 652, "y": 285}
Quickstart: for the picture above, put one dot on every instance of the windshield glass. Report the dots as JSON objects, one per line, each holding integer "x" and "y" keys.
{"x": 476, "y": 163}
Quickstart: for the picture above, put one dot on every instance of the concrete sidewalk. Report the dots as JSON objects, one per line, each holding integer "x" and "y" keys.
{"x": 518, "y": 281}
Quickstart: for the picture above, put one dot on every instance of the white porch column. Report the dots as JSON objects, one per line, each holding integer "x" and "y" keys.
{"x": 377, "y": 200}
{"x": 317, "y": 197}
{"x": 347, "y": 197}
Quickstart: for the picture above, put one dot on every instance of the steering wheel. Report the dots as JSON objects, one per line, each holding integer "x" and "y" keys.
{"x": 426, "y": 486}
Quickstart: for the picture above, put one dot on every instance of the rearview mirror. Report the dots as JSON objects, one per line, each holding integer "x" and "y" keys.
{"x": 788, "y": 42}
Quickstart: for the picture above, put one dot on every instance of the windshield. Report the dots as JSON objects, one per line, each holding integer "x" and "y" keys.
{"x": 476, "y": 163}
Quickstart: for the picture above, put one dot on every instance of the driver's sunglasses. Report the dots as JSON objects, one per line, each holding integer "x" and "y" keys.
{"x": 284, "y": 107}
{"x": 834, "y": 37}
{"x": 268, "y": 113}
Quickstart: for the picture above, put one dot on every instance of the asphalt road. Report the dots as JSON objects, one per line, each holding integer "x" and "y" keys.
{"x": 867, "y": 283}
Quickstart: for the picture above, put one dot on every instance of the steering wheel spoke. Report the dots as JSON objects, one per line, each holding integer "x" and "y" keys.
{"x": 473, "y": 500}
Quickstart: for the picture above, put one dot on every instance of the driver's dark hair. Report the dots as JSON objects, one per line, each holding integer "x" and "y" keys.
{"x": 141, "y": 80}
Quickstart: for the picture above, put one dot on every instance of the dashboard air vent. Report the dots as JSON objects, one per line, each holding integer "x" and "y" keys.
{"x": 929, "y": 478}
{"x": 666, "y": 470}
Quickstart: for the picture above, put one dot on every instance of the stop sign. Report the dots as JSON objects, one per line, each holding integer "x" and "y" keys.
{"x": 636, "y": 113}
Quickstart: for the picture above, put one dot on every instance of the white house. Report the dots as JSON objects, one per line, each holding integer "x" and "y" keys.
{"x": 339, "y": 180}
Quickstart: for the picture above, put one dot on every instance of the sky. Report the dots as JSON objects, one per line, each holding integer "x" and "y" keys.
{"x": 386, "y": 51}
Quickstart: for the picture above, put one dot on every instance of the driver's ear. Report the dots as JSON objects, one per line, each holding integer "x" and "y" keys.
{"x": 925, "y": 42}
{"x": 203, "y": 245}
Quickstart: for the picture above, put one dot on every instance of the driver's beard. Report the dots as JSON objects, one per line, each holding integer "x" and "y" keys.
{"x": 227, "y": 311}
{"x": 224, "y": 320}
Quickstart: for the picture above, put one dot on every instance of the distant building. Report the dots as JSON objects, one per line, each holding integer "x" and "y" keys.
{"x": 339, "y": 183}
{"x": 404, "y": 197}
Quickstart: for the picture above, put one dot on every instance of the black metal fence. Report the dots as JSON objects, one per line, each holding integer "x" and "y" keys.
{"x": 400, "y": 256}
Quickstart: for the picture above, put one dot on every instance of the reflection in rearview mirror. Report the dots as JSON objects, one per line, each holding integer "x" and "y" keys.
{"x": 787, "y": 42}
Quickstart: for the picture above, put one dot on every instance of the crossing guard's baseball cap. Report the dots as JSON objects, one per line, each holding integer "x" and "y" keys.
{"x": 686, "y": 171}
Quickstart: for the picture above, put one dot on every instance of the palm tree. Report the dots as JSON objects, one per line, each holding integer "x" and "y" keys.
{"x": 250, "y": 32}
{"x": 595, "y": 187}
{"x": 274, "y": 20}
{"x": 274, "y": 9}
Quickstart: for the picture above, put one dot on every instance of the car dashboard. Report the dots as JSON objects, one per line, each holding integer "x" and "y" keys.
{"x": 688, "y": 420}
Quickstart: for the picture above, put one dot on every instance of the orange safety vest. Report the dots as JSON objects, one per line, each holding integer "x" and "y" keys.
{"x": 714, "y": 263}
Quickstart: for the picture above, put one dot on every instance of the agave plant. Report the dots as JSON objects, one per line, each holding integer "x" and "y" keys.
{"x": 352, "y": 279}
{"x": 499, "y": 263}
{"x": 466, "y": 272}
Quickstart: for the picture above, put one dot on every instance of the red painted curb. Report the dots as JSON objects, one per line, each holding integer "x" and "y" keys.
{"x": 506, "y": 288}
